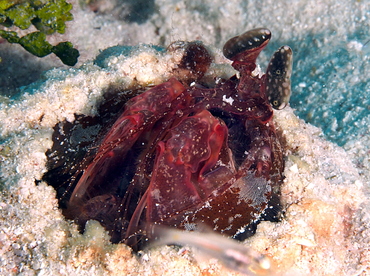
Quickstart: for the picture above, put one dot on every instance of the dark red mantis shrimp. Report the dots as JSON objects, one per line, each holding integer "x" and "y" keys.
{"x": 181, "y": 154}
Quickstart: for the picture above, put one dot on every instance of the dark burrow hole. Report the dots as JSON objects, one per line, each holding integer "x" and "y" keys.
{"x": 75, "y": 145}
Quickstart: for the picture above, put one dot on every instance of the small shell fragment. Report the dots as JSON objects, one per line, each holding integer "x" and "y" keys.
{"x": 229, "y": 252}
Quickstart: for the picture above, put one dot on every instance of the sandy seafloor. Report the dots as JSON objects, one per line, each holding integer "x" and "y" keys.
{"x": 326, "y": 228}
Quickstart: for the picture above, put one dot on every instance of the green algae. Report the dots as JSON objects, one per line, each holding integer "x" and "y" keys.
{"x": 48, "y": 16}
